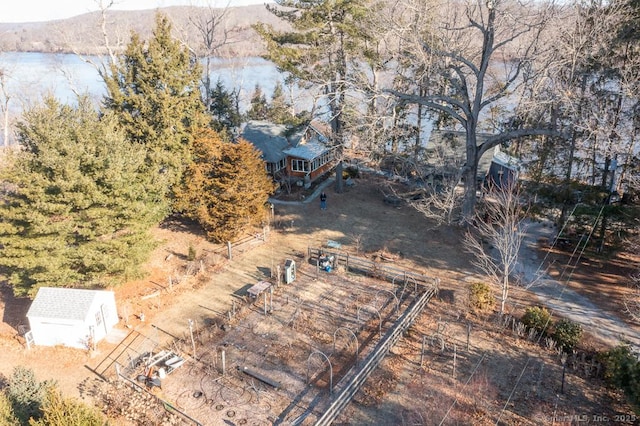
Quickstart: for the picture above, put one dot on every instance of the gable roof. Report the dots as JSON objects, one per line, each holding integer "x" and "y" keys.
{"x": 268, "y": 138}
{"x": 63, "y": 303}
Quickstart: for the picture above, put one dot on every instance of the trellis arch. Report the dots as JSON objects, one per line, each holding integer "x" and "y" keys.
{"x": 395, "y": 298}
{"x": 316, "y": 351}
{"x": 354, "y": 338}
{"x": 374, "y": 310}
{"x": 406, "y": 279}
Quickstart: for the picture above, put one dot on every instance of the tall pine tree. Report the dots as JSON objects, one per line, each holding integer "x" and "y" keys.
{"x": 225, "y": 188}
{"x": 154, "y": 90}
{"x": 225, "y": 110}
{"x": 76, "y": 210}
{"x": 327, "y": 41}
{"x": 258, "y": 106}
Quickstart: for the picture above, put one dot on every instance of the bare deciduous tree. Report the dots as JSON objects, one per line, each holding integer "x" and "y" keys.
{"x": 5, "y": 98}
{"x": 473, "y": 59}
{"x": 213, "y": 33}
{"x": 497, "y": 236}
{"x": 441, "y": 201}
{"x": 632, "y": 299}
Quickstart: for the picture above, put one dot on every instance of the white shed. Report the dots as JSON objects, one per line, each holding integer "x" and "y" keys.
{"x": 71, "y": 317}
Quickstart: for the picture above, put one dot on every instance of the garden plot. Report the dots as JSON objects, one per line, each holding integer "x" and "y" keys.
{"x": 282, "y": 365}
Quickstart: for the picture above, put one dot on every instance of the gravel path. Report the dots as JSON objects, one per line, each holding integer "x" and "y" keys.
{"x": 565, "y": 302}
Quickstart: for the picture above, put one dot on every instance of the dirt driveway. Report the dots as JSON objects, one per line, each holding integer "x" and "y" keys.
{"x": 357, "y": 219}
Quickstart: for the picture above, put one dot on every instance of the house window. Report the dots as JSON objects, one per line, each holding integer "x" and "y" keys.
{"x": 299, "y": 166}
{"x": 98, "y": 318}
{"x": 322, "y": 160}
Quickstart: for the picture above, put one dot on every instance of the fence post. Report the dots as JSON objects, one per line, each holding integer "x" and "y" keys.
{"x": 265, "y": 303}
{"x": 455, "y": 356}
{"x": 229, "y": 249}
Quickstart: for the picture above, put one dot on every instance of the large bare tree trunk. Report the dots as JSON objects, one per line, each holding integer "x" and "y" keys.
{"x": 458, "y": 63}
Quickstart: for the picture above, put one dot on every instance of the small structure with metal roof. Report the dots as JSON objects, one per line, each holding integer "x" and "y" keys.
{"x": 71, "y": 317}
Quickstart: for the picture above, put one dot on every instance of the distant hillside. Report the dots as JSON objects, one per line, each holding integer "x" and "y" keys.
{"x": 83, "y": 34}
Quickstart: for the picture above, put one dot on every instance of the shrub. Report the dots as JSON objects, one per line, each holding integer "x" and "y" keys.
{"x": 61, "y": 411}
{"x": 537, "y": 318}
{"x": 7, "y": 417}
{"x": 350, "y": 172}
{"x": 481, "y": 297}
{"x": 567, "y": 333}
{"x": 622, "y": 370}
{"x": 191, "y": 256}
{"x": 26, "y": 394}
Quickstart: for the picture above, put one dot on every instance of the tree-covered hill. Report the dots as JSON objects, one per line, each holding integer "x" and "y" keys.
{"x": 83, "y": 33}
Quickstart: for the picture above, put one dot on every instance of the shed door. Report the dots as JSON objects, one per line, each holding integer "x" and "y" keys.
{"x": 101, "y": 317}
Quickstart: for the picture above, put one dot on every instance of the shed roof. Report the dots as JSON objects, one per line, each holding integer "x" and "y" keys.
{"x": 63, "y": 303}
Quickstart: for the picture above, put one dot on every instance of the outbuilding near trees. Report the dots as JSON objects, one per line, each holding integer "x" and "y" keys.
{"x": 71, "y": 317}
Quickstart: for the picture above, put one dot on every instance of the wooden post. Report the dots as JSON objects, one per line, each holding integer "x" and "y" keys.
{"x": 468, "y": 335}
{"x": 193, "y": 342}
{"x": 270, "y": 299}
{"x": 224, "y": 364}
{"x": 564, "y": 369}
{"x": 424, "y": 338}
{"x": 455, "y": 355}
{"x": 346, "y": 266}
{"x": 229, "y": 249}
{"x": 265, "y": 303}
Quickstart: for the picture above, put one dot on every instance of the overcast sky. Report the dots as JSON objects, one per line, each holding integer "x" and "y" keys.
{"x": 46, "y": 10}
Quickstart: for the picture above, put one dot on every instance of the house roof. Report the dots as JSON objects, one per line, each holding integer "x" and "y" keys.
{"x": 63, "y": 303}
{"x": 446, "y": 148}
{"x": 505, "y": 159}
{"x": 307, "y": 151}
{"x": 268, "y": 138}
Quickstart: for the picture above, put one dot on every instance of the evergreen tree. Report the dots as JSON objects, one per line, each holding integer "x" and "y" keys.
{"x": 26, "y": 394}
{"x": 328, "y": 38}
{"x": 258, "y": 107}
{"x": 60, "y": 411}
{"x": 154, "y": 90}
{"x": 76, "y": 208}
{"x": 279, "y": 111}
{"x": 7, "y": 415}
{"x": 226, "y": 187}
{"x": 225, "y": 110}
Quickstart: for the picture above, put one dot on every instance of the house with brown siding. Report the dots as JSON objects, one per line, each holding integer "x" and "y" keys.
{"x": 301, "y": 156}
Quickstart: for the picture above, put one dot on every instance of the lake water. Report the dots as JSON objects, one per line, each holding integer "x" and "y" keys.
{"x": 30, "y": 76}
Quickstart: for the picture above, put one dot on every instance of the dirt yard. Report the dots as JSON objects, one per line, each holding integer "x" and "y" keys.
{"x": 452, "y": 365}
